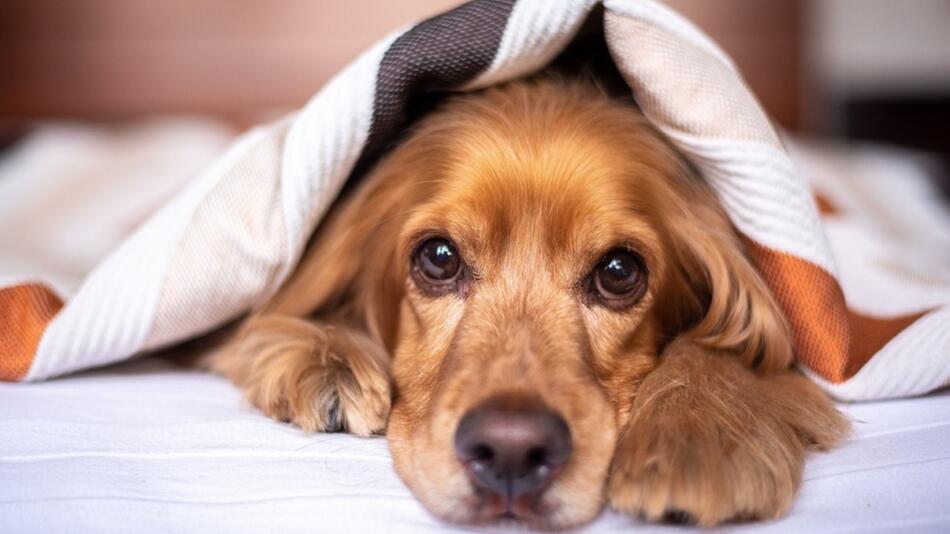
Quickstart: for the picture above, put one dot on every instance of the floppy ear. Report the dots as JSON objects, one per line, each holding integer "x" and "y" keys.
{"x": 350, "y": 273}
{"x": 318, "y": 353}
{"x": 721, "y": 301}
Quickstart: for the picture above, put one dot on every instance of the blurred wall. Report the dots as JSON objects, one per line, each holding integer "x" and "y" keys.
{"x": 880, "y": 71}
{"x": 120, "y": 58}
{"x": 113, "y": 58}
{"x": 878, "y": 46}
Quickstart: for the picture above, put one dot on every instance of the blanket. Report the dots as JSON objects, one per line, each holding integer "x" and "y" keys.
{"x": 868, "y": 320}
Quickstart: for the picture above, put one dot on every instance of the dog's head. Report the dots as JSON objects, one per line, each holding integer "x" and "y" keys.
{"x": 524, "y": 256}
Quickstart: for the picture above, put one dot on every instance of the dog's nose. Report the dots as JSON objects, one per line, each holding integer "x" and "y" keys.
{"x": 512, "y": 451}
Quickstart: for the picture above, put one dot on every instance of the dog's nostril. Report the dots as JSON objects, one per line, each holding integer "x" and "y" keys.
{"x": 537, "y": 456}
{"x": 482, "y": 453}
{"x": 512, "y": 451}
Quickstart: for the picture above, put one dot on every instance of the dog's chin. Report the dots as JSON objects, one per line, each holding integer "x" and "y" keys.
{"x": 478, "y": 508}
{"x": 534, "y": 512}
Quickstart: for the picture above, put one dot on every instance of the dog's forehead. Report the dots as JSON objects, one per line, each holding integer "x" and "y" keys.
{"x": 567, "y": 196}
{"x": 566, "y": 172}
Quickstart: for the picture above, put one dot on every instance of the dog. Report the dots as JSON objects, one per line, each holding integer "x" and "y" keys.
{"x": 546, "y": 310}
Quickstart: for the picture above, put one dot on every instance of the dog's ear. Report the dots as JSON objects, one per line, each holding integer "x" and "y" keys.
{"x": 719, "y": 299}
{"x": 349, "y": 272}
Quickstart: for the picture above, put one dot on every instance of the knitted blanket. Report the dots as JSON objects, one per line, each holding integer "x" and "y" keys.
{"x": 233, "y": 234}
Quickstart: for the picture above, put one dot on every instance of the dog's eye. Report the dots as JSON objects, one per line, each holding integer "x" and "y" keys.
{"x": 620, "y": 278}
{"x": 437, "y": 260}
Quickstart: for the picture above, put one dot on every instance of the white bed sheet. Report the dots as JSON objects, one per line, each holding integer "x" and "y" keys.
{"x": 148, "y": 447}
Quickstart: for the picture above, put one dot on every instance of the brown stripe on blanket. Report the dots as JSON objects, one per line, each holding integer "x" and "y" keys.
{"x": 25, "y": 312}
{"x": 440, "y": 53}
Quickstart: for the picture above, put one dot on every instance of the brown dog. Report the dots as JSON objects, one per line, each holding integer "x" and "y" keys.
{"x": 546, "y": 310}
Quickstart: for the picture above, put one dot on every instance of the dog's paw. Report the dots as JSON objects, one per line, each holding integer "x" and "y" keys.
{"x": 322, "y": 378}
{"x": 710, "y": 441}
{"x": 689, "y": 471}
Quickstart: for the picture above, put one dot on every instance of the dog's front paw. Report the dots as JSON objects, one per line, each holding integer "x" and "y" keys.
{"x": 710, "y": 441}
{"x": 322, "y": 378}
{"x": 688, "y": 469}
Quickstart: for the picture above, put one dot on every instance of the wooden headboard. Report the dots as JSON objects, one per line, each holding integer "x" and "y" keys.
{"x": 109, "y": 59}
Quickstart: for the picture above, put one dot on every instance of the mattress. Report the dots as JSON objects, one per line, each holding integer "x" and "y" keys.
{"x": 153, "y": 447}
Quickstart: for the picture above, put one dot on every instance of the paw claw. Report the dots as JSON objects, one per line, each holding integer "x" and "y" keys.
{"x": 678, "y": 517}
{"x": 334, "y": 421}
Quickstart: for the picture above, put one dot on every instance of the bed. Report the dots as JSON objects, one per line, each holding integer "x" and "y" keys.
{"x": 169, "y": 449}
{"x": 165, "y": 449}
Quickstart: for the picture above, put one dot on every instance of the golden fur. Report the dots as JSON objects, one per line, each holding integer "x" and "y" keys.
{"x": 683, "y": 403}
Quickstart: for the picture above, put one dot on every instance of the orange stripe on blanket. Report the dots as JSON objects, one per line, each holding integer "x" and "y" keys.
{"x": 826, "y": 207}
{"x": 870, "y": 334}
{"x": 25, "y": 311}
{"x": 830, "y": 339}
